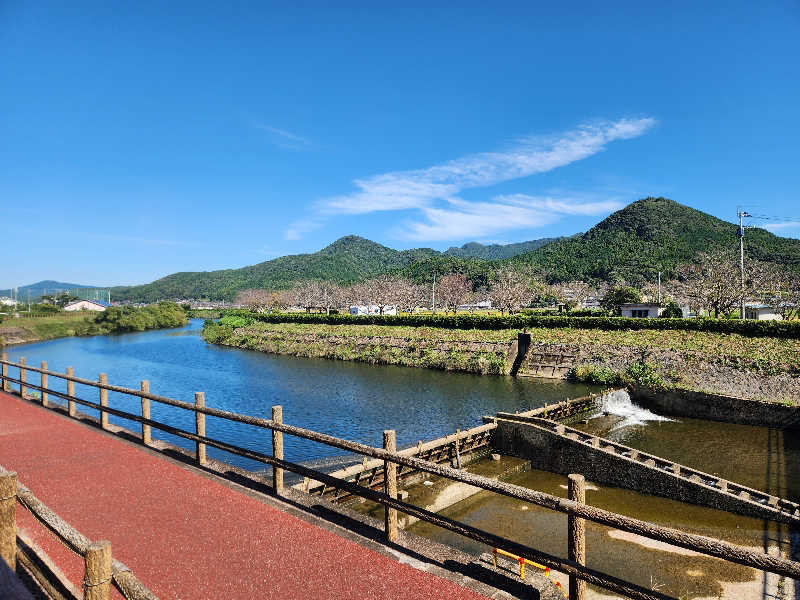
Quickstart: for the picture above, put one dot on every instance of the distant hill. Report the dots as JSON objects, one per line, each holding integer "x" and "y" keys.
{"x": 347, "y": 260}
{"x": 632, "y": 244}
{"x": 496, "y": 251}
{"x": 647, "y": 236}
{"x": 44, "y": 287}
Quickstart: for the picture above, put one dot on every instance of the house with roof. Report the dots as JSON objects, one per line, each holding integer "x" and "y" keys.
{"x": 95, "y": 305}
{"x": 641, "y": 310}
{"x": 761, "y": 312}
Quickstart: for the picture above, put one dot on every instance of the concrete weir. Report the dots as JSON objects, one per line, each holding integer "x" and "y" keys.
{"x": 554, "y": 447}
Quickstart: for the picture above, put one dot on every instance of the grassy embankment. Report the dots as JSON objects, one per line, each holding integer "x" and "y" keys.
{"x": 670, "y": 358}
{"x": 113, "y": 320}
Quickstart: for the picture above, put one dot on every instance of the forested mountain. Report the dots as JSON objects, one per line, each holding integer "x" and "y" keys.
{"x": 632, "y": 244}
{"x": 496, "y": 251}
{"x": 35, "y": 290}
{"x": 647, "y": 236}
{"x": 347, "y": 260}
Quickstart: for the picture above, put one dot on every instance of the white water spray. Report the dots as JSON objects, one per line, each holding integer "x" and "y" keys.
{"x": 619, "y": 403}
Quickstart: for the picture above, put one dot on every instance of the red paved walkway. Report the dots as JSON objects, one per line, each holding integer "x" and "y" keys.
{"x": 186, "y": 536}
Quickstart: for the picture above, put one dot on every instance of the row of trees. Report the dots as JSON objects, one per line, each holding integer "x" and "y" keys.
{"x": 711, "y": 285}
{"x": 510, "y": 290}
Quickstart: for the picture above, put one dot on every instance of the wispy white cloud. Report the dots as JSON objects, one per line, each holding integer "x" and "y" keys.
{"x": 283, "y": 138}
{"x": 434, "y": 190}
{"x": 461, "y": 219}
{"x": 299, "y": 228}
{"x": 781, "y": 226}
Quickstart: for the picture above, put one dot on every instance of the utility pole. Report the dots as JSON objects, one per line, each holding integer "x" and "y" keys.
{"x": 659, "y": 287}
{"x": 433, "y": 294}
{"x": 741, "y": 214}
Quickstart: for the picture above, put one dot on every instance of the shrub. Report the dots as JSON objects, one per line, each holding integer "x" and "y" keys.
{"x": 752, "y": 328}
{"x": 594, "y": 374}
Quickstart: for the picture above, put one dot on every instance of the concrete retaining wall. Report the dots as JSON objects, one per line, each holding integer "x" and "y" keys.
{"x": 702, "y": 405}
{"x": 560, "y": 449}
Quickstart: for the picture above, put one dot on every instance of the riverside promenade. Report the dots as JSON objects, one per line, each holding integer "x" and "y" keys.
{"x": 183, "y": 533}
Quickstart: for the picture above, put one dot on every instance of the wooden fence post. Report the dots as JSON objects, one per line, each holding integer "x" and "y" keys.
{"x": 458, "y": 452}
{"x": 6, "y": 387}
{"x": 103, "y": 401}
{"x": 200, "y": 429}
{"x": 576, "y": 543}
{"x": 277, "y": 450}
{"x": 97, "y": 580}
{"x": 44, "y": 383}
{"x": 22, "y": 375}
{"x": 390, "y": 485}
{"x": 147, "y": 436}
{"x": 71, "y": 392}
{"x": 8, "y": 519}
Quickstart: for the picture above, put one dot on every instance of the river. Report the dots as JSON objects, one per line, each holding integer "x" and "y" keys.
{"x": 352, "y": 400}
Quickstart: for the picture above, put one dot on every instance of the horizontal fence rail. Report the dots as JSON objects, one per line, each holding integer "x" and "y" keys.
{"x": 572, "y": 508}
{"x": 102, "y": 570}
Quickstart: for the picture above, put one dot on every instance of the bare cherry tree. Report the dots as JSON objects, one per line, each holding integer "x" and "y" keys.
{"x": 254, "y": 299}
{"x": 511, "y": 290}
{"x": 573, "y": 293}
{"x": 452, "y": 290}
{"x": 713, "y": 282}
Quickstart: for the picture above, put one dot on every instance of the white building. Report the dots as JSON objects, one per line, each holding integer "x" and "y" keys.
{"x": 95, "y": 305}
{"x": 641, "y": 310}
{"x": 6, "y": 301}
{"x": 761, "y": 312}
{"x": 372, "y": 309}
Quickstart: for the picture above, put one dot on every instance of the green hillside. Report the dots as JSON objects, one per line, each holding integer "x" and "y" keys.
{"x": 496, "y": 251}
{"x": 633, "y": 244}
{"x": 347, "y": 260}
{"x": 647, "y": 236}
{"x": 35, "y": 290}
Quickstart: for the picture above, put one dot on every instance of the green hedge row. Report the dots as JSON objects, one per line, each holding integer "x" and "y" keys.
{"x": 782, "y": 329}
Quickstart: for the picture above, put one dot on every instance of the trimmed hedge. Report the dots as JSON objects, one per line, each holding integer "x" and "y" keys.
{"x": 752, "y": 328}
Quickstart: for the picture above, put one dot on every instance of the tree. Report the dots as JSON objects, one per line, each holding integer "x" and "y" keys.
{"x": 511, "y": 290}
{"x": 619, "y": 295}
{"x": 452, "y": 290}
{"x": 713, "y": 283}
{"x": 255, "y": 300}
{"x": 382, "y": 291}
{"x": 306, "y": 294}
{"x": 573, "y": 294}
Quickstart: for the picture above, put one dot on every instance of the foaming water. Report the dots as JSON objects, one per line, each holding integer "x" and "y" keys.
{"x": 619, "y": 403}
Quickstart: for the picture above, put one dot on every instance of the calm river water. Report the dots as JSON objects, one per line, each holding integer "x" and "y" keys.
{"x": 351, "y": 400}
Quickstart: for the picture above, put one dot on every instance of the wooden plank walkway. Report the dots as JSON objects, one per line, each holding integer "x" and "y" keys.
{"x": 185, "y": 535}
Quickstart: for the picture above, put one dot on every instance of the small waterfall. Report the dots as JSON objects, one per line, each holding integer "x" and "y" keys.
{"x": 619, "y": 403}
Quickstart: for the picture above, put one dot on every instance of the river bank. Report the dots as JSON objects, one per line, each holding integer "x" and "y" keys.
{"x": 24, "y": 330}
{"x": 754, "y": 368}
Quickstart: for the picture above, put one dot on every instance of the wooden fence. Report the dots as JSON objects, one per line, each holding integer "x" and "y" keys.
{"x": 101, "y": 569}
{"x": 574, "y": 507}
{"x": 61, "y": 315}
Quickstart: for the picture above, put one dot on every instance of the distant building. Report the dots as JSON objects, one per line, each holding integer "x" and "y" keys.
{"x": 482, "y": 305}
{"x": 6, "y": 301}
{"x": 641, "y": 310}
{"x": 372, "y": 309}
{"x": 95, "y": 305}
{"x": 761, "y": 312}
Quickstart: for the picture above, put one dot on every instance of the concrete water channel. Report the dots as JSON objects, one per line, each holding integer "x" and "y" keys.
{"x": 761, "y": 458}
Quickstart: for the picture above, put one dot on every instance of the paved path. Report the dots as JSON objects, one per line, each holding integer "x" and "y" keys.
{"x": 185, "y": 535}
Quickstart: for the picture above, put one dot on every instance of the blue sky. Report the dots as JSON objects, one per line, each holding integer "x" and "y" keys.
{"x": 143, "y": 139}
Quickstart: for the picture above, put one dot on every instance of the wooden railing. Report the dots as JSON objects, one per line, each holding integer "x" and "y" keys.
{"x": 574, "y": 507}
{"x": 62, "y": 314}
{"x": 101, "y": 569}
